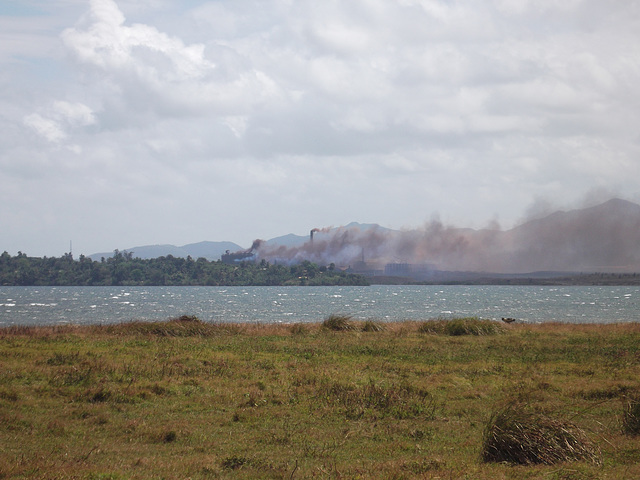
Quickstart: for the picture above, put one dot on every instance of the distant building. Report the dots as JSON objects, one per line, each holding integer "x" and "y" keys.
{"x": 364, "y": 268}
{"x": 237, "y": 257}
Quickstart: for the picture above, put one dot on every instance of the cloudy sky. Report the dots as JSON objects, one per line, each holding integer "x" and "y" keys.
{"x": 134, "y": 122}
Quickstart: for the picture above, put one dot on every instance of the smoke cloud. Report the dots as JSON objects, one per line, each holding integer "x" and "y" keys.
{"x": 601, "y": 238}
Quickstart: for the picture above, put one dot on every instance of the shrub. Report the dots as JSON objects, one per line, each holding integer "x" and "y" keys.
{"x": 631, "y": 415}
{"x": 461, "y": 326}
{"x": 516, "y": 434}
{"x": 338, "y": 323}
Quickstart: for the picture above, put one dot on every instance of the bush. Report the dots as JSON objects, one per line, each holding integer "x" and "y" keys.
{"x": 461, "y": 326}
{"x": 517, "y": 435}
{"x": 338, "y": 323}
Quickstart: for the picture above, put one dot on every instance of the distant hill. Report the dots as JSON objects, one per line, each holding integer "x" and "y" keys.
{"x": 605, "y": 237}
{"x": 293, "y": 241}
{"x": 208, "y": 250}
{"x": 289, "y": 240}
{"x": 214, "y": 250}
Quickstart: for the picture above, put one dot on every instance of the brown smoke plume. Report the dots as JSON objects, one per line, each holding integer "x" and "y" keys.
{"x": 447, "y": 247}
{"x": 601, "y": 238}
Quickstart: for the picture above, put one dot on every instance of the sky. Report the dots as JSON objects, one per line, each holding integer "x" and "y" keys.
{"x": 141, "y": 122}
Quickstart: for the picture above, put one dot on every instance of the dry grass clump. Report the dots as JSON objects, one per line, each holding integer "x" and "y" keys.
{"x": 338, "y": 323}
{"x": 461, "y": 326}
{"x": 372, "y": 326}
{"x": 631, "y": 415}
{"x": 518, "y": 435}
{"x": 298, "y": 329}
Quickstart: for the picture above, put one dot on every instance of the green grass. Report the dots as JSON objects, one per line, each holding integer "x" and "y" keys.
{"x": 188, "y": 399}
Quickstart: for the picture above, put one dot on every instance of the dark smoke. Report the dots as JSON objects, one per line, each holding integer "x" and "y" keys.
{"x": 601, "y": 238}
{"x": 342, "y": 246}
{"x": 447, "y": 247}
{"x": 255, "y": 246}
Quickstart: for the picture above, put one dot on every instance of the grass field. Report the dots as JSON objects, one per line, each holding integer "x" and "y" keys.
{"x": 337, "y": 399}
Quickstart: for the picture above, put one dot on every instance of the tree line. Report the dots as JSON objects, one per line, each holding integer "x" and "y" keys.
{"x": 123, "y": 269}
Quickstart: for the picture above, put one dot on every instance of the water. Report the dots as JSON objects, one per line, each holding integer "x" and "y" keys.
{"x": 94, "y": 305}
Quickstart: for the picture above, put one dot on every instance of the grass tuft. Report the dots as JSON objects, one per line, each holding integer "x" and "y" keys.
{"x": 631, "y": 415}
{"x": 461, "y": 326}
{"x": 169, "y": 436}
{"x": 372, "y": 326}
{"x": 184, "y": 326}
{"x": 298, "y": 329}
{"x": 517, "y": 435}
{"x": 10, "y": 395}
{"x": 338, "y": 323}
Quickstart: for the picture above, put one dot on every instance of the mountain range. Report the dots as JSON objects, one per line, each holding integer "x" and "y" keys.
{"x": 605, "y": 237}
{"x": 208, "y": 250}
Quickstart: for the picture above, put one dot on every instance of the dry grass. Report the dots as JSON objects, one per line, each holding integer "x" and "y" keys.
{"x": 339, "y": 323}
{"x": 373, "y": 326}
{"x": 462, "y": 326}
{"x": 189, "y": 399}
{"x": 398, "y": 401}
{"x": 631, "y": 415}
{"x": 516, "y": 434}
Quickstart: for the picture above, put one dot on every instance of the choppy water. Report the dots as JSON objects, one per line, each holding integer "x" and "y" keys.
{"x": 91, "y": 305}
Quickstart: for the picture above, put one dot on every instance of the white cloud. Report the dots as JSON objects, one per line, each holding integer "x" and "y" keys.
{"x": 55, "y": 121}
{"x": 75, "y": 114}
{"x": 102, "y": 39}
{"x": 46, "y": 127}
{"x": 161, "y": 72}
